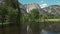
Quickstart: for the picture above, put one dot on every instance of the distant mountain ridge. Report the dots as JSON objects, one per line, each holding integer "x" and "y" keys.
{"x": 53, "y": 9}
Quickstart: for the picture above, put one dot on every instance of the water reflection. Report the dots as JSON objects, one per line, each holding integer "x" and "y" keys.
{"x": 44, "y": 31}
{"x": 48, "y": 32}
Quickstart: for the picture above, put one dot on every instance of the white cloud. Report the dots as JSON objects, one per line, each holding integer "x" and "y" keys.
{"x": 43, "y": 5}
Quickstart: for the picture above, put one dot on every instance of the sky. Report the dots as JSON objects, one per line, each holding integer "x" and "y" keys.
{"x": 42, "y": 3}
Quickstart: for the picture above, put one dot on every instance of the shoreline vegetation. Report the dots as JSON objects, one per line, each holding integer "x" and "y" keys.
{"x": 42, "y": 20}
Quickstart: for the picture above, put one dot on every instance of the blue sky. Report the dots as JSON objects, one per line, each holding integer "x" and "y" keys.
{"x": 41, "y": 2}
{"x": 49, "y": 2}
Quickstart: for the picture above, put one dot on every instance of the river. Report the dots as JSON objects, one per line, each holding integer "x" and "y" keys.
{"x": 48, "y": 32}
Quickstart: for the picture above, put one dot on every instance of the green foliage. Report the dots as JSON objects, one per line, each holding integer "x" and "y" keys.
{"x": 34, "y": 13}
{"x": 31, "y": 19}
{"x": 34, "y": 24}
{"x": 8, "y": 14}
{"x": 12, "y": 3}
{"x": 12, "y": 14}
{"x": 3, "y": 12}
{"x": 32, "y": 16}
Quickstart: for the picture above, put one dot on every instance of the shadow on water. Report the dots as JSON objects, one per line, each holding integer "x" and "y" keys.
{"x": 12, "y": 29}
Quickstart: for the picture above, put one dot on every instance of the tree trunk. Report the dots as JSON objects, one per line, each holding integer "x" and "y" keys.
{"x": 3, "y": 20}
{"x": 18, "y": 19}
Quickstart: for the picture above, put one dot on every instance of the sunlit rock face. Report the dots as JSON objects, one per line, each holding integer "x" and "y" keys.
{"x": 31, "y": 6}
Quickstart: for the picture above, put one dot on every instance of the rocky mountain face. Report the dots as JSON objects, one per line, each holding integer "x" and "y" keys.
{"x": 53, "y": 9}
{"x": 31, "y": 6}
{"x": 34, "y": 6}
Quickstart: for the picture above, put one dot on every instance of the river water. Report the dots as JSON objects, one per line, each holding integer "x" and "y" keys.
{"x": 48, "y": 32}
